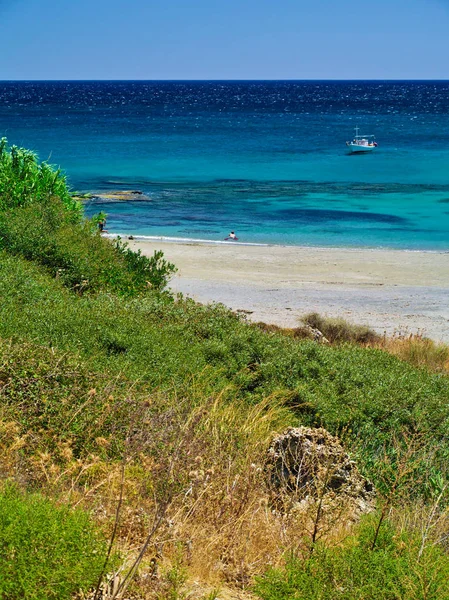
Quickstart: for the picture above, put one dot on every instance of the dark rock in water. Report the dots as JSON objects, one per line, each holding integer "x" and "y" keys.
{"x": 305, "y": 464}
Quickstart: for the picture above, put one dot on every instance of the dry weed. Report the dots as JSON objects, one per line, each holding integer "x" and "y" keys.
{"x": 418, "y": 351}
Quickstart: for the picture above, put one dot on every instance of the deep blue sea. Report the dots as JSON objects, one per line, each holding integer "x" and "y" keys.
{"x": 265, "y": 159}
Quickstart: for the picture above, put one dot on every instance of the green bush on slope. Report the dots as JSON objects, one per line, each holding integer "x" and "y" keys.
{"x": 25, "y": 181}
{"x": 47, "y": 552}
{"x": 44, "y": 229}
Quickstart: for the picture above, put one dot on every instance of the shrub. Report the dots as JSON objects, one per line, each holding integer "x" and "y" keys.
{"x": 76, "y": 253}
{"x": 25, "y": 181}
{"x": 393, "y": 570}
{"x": 339, "y": 330}
{"x": 168, "y": 343}
{"x": 41, "y": 221}
{"x": 46, "y": 551}
{"x": 152, "y": 271}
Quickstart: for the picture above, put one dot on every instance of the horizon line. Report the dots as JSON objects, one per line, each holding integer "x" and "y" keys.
{"x": 242, "y": 80}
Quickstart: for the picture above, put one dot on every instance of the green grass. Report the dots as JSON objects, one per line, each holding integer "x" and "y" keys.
{"x": 169, "y": 344}
{"x": 47, "y": 552}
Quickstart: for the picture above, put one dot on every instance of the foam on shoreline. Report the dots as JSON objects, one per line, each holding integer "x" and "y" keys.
{"x": 178, "y": 240}
{"x": 205, "y": 242}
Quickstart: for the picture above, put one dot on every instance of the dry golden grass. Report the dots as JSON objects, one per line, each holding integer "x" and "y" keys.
{"x": 217, "y": 526}
{"x": 193, "y": 488}
{"x": 415, "y": 349}
{"x": 217, "y": 529}
{"x": 204, "y": 477}
{"x": 418, "y": 351}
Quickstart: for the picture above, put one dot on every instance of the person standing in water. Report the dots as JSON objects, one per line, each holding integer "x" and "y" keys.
{"x": 231, "y": 236}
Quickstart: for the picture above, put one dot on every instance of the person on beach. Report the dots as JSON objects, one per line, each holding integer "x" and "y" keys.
{"x": 102, "y": 225}
{"x": 231, "y": 236}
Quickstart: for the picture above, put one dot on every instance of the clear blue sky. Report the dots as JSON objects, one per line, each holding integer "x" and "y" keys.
{"x": 225, "y": 39}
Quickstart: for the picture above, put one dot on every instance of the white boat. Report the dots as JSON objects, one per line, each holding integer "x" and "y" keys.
{"x": 361, "y": 143}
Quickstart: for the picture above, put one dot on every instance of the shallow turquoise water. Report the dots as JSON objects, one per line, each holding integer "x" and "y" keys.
{"x": 266, "y": 159}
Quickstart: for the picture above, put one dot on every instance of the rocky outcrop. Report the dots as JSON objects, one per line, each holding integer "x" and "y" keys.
{"x": 315, "y": 334}
{"x": 120, "y": 196}
{"x": 302, "y": 332}
{"x": 304, "y": 464}
{"x": 114, "y": 196}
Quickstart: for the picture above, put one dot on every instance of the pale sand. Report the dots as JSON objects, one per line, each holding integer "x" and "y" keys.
{"x": 389, "y": 290}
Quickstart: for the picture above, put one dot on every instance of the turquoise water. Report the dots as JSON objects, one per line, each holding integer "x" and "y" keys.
{"x": 266, "y": 159}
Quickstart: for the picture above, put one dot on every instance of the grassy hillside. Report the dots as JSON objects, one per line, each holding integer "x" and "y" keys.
{"x": 153, "y": 413}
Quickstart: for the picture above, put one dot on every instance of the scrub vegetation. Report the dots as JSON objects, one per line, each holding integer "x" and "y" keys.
{"x": 47, "y": 551}
{"x": 134, "y": 427}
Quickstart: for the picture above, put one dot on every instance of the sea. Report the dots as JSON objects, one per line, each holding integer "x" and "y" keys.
{"x": 266, "y": 159}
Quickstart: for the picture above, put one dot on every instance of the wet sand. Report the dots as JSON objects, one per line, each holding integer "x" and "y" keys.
{"x": 392, "y": 291}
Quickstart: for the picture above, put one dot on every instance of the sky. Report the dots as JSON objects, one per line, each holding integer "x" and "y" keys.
{"x": 226, "y": 39}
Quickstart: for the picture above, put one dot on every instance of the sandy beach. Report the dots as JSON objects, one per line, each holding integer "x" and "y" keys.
{"x": 390, "y": 290}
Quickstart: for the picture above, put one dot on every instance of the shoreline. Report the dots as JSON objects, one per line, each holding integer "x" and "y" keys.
{"x": 392, "y": 291}
{"x": 180, "y": 240}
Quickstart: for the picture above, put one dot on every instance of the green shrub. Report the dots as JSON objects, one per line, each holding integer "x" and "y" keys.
{"x": 41, "y": 221}
{"x": 76, "y": 253}
{"x": 153, "y": 271}
{"x": 25, "y": 181}
{"x": 46, "y": 551}
{"x": 394, "y": 570}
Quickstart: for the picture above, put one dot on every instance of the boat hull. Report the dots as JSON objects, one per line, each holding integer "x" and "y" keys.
{"x": 353, "y": 148}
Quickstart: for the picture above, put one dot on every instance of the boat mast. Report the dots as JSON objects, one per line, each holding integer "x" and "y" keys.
{"x": 356, "y": 133}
